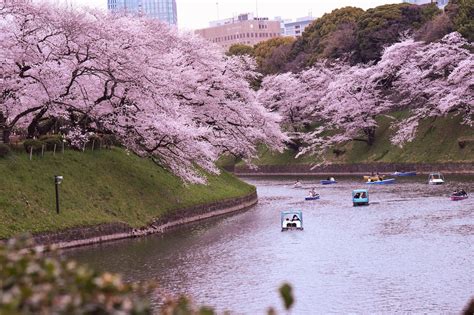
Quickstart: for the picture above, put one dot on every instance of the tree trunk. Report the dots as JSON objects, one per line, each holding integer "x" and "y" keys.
{"x": 370, "y": 132}
{"x": 33, "y": 126}
{"x": 6, "y": 132}
{"x": 4, "y": 129}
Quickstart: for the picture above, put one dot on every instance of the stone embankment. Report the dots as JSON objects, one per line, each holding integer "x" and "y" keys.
{"x": 356, "y": 169}
{"x": 88, "y": 235}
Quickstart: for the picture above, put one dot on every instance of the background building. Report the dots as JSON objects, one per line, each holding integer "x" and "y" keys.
{"x": 296, "y": 28}
{"x": 243, "y": 29}
{"x": 163, "y": 10}
{"x": 439, "y": 3}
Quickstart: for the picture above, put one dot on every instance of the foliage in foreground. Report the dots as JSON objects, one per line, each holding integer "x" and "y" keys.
{"x": 33, "y": 283}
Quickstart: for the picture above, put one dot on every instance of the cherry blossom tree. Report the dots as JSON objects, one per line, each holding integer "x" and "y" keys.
{"x": 297, "y": 97}
{"x": 163, "y": 94}
{"x": 435, "y": 79}
{"x": 351, "y": 104}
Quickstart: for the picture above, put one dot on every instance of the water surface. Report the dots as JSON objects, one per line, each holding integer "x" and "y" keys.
{"x": 411, "y": 250}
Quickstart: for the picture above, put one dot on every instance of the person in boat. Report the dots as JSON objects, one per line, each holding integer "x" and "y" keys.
{"x": 357, "y": 195}
{"x": 332, "y": 179}
{"x": 297, "y": 183}
{"x": 312, "y": 193}
{"x": 295, "y": 218}
{"x": 364, "y": 195}
{"x": 460, "y": 192}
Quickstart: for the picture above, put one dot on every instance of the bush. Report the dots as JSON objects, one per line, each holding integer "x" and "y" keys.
{"x": 4, "y": 150}
{"x": 51, "y": 140}
{"x": 34, "y": 144}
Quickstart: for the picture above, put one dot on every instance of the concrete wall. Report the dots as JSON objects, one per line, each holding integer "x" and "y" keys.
{"x": 356, "y": 169}
{"x": 113, "y": 231}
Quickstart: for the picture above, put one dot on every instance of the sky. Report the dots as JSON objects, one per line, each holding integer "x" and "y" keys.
{"x": 194, "y": 14}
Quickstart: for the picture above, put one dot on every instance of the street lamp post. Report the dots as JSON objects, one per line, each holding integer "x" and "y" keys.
{"x": 57, "y": 180}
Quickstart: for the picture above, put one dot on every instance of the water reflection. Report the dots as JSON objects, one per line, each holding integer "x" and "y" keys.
{"x": 411, "y": 250}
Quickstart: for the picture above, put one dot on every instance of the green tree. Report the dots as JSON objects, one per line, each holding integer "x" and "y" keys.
{"x": 330, "y": 36}
{"x": 239, "y": 50}
{"x": 271, "y": 55}
{"x": 382, "y": 26}
{"x": 461, "y": 14}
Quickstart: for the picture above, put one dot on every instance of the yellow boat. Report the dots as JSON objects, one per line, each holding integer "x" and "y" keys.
{"x": 374, "y": 178}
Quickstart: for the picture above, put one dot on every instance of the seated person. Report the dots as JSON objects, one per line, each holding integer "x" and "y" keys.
{"x": 295, "y": 218}
{"x": 312, "y": 193}
{"x": 357, "y": 195}
{"x": 332, "y": 179}
{"x": 364, "y": 195}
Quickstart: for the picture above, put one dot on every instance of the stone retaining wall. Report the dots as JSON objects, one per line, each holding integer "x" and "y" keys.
{"x": 87, "y": 235}
{"x": 356, "y": 169}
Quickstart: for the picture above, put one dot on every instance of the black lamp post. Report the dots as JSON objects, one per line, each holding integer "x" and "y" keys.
{"x": 57, "y": 180}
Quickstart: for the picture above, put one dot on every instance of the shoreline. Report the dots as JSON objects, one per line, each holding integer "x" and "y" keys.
{"x": 90, "y": 235}
{"x": 464, "y": 168}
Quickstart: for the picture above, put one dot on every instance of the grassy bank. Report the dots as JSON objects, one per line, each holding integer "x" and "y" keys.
{"x": 436, "y": 142}
{"x": 99, "y": 187}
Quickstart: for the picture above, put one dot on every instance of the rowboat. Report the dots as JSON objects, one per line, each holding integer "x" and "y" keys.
{"x": 312, "y": 197}
{"x": 457, "y": 198}
{"x": 459, "y": 194}
{"x": 328, "y": 182}
{"x": 404, "y": 174}
{"x": 382, "y": 182}
{"x": 374, "y": 178}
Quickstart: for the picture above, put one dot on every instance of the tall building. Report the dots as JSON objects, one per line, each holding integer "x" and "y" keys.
{"x": 243, "y": 29}
{"x": 439, "y": 3}
{"x": 163, "y": 10}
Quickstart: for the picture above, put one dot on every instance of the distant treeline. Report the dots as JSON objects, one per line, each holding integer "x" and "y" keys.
{"x": 357, "y": 36}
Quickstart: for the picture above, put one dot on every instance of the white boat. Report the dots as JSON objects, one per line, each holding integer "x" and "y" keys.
{"x": 291, "y": 220}
{"x": 436, "y": 179}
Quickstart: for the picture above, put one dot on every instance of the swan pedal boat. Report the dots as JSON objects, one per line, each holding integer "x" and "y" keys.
{"x": 291, "y": 220}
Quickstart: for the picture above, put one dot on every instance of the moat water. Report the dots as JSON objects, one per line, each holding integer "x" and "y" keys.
{"x": 410, "y": 251}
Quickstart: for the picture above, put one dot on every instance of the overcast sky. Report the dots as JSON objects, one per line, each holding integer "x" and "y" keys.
{"x": 193, "y": 14}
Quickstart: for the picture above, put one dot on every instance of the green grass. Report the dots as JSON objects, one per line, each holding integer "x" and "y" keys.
{"x": 436, "y": 142}
{"x": 99, "y": 187}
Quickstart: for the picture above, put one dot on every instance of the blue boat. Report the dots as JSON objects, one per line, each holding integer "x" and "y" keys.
{"x": 291, "y": 220}
{"x": 328, "y": 182}
{"x": 360, "y": 197}
{"x": 312, "y": 197}
{"x": 404, "y": 174}
{"x": 382, "y": 182}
